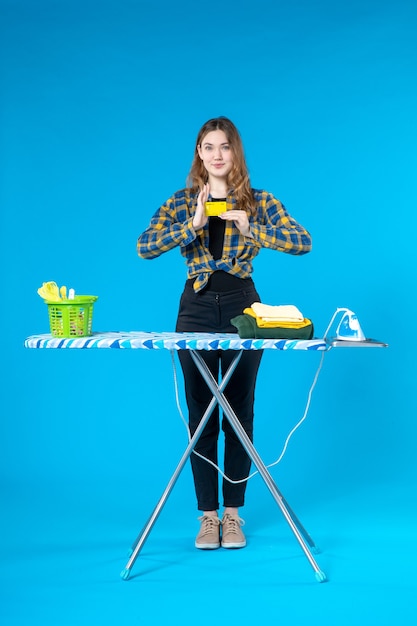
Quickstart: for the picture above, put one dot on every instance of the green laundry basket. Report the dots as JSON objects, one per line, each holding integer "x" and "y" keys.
{"x": 71, "y": 318}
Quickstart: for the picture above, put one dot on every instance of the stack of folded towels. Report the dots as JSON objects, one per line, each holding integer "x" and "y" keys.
{"x": 264, "y": 321}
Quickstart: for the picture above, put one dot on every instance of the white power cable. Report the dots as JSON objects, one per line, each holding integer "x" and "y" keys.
{"x": 279, "y": 459}
{"x": 177, "y": 400}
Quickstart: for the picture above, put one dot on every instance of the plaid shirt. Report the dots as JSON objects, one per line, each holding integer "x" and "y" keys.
{"x": 271, "y": 227}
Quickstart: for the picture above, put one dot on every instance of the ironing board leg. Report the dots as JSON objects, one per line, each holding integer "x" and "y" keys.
{"x": 256, "y": 459}
{"x": 297, "y": 522}
{"x": 143, "y": 535}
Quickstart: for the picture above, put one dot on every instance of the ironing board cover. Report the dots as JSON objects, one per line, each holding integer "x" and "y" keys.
{"x": 173, "y": 341}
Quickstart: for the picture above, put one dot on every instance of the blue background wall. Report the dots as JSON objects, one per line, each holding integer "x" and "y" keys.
{"x": 100, "y": 106}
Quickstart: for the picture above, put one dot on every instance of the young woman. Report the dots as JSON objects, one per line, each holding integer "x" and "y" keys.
{"x": 219, "y": 251}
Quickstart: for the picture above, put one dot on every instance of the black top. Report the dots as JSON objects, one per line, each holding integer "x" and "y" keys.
{"x": 221, "y": 281}
{"x": 217, "y": 227}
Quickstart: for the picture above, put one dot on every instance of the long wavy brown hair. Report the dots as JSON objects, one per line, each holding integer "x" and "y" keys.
{"x": 238, "y": 178}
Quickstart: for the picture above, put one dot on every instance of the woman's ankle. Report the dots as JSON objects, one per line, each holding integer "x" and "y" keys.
{"x": 231, "y": 510}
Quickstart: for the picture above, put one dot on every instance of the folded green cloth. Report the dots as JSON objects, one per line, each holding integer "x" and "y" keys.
{"x": 247, "y": 328}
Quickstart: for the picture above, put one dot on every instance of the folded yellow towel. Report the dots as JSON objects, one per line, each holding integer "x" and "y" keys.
{"x": 263, "y": 322}
{"x": 280, "y": 313}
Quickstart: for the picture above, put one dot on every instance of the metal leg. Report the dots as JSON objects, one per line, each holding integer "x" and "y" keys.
{"x": 256, "y": 459}
{"x": 140, "y": 540}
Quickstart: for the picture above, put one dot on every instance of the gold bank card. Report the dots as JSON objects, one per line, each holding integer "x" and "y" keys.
{"x": 215, "y": 208}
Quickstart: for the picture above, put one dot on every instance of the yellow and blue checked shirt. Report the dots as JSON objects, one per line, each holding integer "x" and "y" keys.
{"x": 271, "y": 227}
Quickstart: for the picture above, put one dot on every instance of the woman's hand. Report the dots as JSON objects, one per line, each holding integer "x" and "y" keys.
{"x": 240, "y": 218}
{"x": 200, "y": 217}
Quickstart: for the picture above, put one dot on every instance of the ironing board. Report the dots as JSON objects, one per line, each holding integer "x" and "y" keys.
{"x": 195, "y": 343}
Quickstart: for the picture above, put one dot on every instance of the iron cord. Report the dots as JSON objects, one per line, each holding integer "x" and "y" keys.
{"x": 290, "y": 434}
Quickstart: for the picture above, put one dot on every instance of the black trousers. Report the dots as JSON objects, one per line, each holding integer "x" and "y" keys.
{"x": 211, "y": 311}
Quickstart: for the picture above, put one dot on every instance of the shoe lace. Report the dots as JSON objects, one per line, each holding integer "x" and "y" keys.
{"x": 208, "y": 524}
{"x": 232, "y": 523}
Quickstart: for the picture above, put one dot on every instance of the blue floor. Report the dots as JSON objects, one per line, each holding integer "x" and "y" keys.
{"x": 62, "y": 553}
{"x": 81, "y": 477}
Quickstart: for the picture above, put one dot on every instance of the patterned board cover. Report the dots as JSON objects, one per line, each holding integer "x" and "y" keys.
{"x": 173, "y": 341}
